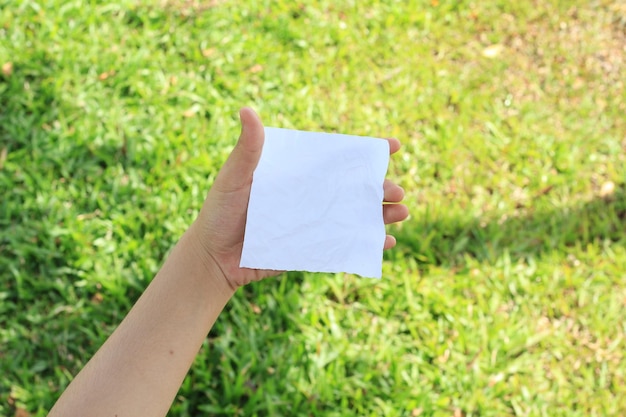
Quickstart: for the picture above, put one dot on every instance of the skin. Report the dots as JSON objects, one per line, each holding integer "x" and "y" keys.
{"x": 139, "y": 369}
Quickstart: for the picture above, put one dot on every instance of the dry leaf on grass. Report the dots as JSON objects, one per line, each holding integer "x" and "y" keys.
{"x": 492, "y": 51}
{"x": 7, "y": 69}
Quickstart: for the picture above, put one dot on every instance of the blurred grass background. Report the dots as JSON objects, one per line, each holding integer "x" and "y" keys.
{"x": 506, "y": 294}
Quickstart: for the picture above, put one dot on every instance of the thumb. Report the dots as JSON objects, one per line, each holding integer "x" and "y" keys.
{"x": 243, "y": 160}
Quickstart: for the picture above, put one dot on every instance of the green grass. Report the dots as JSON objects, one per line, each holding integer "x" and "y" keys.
{"x": 506, "y": 294}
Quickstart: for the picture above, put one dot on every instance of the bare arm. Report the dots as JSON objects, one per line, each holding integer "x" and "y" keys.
{"x": 139, "y": 369}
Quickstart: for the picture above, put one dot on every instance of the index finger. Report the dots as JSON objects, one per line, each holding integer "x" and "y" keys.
{"x": 394, "y": 145}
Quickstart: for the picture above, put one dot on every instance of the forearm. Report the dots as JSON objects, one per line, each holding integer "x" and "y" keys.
{"x": 139, "y": 369}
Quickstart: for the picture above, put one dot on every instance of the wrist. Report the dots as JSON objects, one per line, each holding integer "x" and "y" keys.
{"x": 208, "y": 267}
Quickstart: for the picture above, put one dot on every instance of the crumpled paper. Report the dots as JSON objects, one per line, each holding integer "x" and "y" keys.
{"x": 316, "y": 204}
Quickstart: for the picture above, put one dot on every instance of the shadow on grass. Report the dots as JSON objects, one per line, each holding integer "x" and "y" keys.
{"x": 447, "y": 241}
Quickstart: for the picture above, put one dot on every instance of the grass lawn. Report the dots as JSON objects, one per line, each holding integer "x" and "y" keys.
{"x": 506, "y": 294}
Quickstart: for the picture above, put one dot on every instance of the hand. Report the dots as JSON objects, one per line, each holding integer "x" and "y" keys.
{"x": 221, "y": 224}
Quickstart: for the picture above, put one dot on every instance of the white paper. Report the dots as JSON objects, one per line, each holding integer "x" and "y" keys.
{"x": 316, "y": 204}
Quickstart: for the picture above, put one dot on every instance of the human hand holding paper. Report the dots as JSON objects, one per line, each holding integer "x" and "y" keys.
{"x": 222, "y": 221}
{"x": 140, "y": 367}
